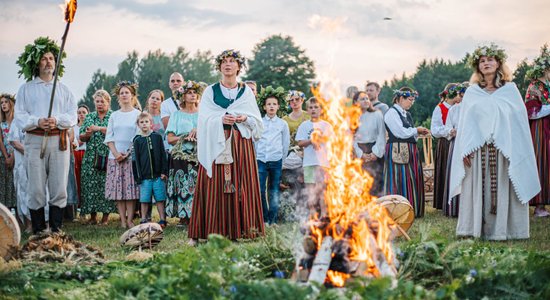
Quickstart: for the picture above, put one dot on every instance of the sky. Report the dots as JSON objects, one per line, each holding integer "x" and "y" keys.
{"x": 347, "y": 38}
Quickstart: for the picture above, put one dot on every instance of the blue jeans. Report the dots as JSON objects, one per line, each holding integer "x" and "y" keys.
{"x": 270, "y": 176}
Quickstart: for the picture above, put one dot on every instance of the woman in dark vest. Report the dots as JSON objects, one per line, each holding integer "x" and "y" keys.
{"x": 403, "y": 168}
{"x": 227, "y": 196}
{"x": 449, "y": 96}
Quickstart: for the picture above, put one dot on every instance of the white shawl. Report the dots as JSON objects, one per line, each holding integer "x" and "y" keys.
{"x": 210, "y": 135}
{"x": 501, "y": 118}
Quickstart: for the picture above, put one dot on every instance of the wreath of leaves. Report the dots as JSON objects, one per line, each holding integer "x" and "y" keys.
{"x": 492, "y": 50}
{"x": 29, "y": 60}
{"x": 278, "y": 93}
{"x": 540, "y": 64}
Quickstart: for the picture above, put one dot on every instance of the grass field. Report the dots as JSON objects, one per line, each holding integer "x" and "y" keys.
{"x": 433, "y": 265}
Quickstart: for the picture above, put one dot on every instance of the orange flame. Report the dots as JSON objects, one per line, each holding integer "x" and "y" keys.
{"x": 69, "y": 10}
{"x": 353, "y": 213}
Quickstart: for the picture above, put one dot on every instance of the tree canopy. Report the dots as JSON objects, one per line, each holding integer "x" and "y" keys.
{"x": 278, "y": 61}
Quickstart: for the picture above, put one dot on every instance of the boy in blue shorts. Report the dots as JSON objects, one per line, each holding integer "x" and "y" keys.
{"x": 150, "y": 166}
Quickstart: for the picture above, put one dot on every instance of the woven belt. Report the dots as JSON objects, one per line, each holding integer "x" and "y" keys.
{"x": 40, "y": 131}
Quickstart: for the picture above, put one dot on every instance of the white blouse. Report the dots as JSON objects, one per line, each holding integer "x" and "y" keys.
{"x": 371, "y": 130}
{"x": 121, "y": 130}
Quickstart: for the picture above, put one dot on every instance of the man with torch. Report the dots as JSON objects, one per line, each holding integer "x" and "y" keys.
{"x": 46, "y": 124}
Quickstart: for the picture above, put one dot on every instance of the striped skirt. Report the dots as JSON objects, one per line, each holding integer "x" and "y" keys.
{"x": 440, "y": 172}
{"x": 406, "y": 180}
{"x": 540, "y": 132}
{"x": 450, "y": 210}
{"x": 234, "y": 215}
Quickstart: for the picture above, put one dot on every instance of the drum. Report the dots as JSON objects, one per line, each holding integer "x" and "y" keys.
{"x": 10, "y": 234}
{"x": 399, "y": 209}
{"x": 145, "y": 235}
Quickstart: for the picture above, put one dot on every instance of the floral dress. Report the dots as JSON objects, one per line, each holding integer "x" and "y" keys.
{"x": 182, "y": 177}
{"x": 93, "y": 180}
{"x": 7, "y": 189}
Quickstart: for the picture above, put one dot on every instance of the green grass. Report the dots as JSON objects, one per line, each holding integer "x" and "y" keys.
{"x": 107, "y": 237}
{"x": 434, "y": 265}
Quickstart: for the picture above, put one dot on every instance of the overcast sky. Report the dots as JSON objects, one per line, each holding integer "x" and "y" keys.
{"x": 349, "y": 36}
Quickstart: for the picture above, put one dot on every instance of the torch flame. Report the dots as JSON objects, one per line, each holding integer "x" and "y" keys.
{"x": 353, "y": 213}
{"x": 70, "y": 10}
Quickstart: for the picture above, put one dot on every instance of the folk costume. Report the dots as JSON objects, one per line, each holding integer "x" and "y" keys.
{"x": 7, "y": 189}
{"x": 403, "y": 168}
{"x": 439, "y": 118}
{"x": 370, "y": 137}
{"x": 227, "y": 197}
{"x": 33, "y": 101}
{"x": 538, "y": 109}
{"x": 20, "y": 174}
{"x": 494, "y": 190}
{"x": 451, "y": 206}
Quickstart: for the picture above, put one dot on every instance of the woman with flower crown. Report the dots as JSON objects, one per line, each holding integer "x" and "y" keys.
{"x": 450, "y": 95}
{"x": 493, "y": 167}
{"x": 121, "y": 129}
{"x": 227, "y": 196}
{"x": 537, "y": 101}
{"x": 181, "y": 133}
{"x": 402, "y": 168}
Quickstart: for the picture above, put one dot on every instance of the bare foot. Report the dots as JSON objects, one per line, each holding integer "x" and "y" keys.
{"x": 192, "y": 242}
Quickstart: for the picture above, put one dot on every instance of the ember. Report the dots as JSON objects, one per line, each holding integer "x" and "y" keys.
{"x": 354, "y": 238}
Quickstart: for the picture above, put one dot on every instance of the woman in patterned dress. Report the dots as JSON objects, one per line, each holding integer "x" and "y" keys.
{"x": 181, "y": 133}
{"x": 7, "y": 188}
{"x": 92, "y": 132}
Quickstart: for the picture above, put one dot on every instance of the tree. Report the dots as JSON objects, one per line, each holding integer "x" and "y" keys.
{"x": 201, "y": 68}
{"x": 100, "y": 80}
{"x": 154, "y": 73}
{"x": 277, "y": 61}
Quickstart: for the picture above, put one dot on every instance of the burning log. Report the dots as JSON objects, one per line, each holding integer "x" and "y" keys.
{"x": 321, "y": 262}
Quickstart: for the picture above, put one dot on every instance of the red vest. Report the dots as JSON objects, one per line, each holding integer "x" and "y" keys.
{"x": 444, "y": 112}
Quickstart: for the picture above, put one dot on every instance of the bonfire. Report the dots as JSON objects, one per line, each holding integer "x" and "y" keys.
{"x": 354, "y": 238}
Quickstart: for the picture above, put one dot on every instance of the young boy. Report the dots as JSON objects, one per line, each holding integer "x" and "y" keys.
{"x": 312, "y": 136}
{"x": 271, "y": 150}
{"x": 150, "y": 166}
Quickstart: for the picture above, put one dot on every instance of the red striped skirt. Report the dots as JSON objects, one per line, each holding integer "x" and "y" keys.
{"x": 540, "y": 132}
{"x": 233, "y": 215}
{"x": 78, "y": 156}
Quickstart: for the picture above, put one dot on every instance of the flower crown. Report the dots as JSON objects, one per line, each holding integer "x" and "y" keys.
{"x": 8, "y": 96}
{"x": 29, "y": 60}
{"x": 406, "y": 94}
{"x": 133, "y": 86}
{"x": 540, "y": 64}
{"x": 492, "y": 50}
{"x": 453, "y": 91}
{"x": 295, "y": 93}
{"x": 230, "y": 53}
{"x": 189, "y": 85}
{"x": 278, "y": 93}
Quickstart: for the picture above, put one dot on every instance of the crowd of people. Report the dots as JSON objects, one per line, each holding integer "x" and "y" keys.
{"x": 217, "y": 156}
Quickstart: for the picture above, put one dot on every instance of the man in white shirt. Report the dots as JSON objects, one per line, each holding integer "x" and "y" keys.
{"x": 170, "y": 105}
{"x": 373, "y": 90}
{"x": 31, "y": 115}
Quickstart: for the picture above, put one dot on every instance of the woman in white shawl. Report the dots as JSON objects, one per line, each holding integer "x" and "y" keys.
{"x": 227, "y": 196}
{"x": 493, "y": 167}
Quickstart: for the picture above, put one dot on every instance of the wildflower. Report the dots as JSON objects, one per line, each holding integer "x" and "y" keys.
{"x": 279, "y": 274}
{"x": 473, "y": 272}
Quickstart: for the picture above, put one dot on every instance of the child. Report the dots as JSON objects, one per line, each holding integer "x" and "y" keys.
{"x": 150, "y": 167}
{"x": 271, "y": 150}
{"x": 312, "y": 136}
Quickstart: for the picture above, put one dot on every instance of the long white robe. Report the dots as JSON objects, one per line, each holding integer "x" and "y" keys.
{"x": 497, "y": 118}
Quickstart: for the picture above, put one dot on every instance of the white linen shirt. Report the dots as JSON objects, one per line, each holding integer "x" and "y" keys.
{"x": 275, "y": 140}
{"x": 121, "y": 130}
{"x": 371, "y": 130}
{"x": 394, "y": 123}
{"x": 438, "y": 128}
{"x": 33, "y": 103}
